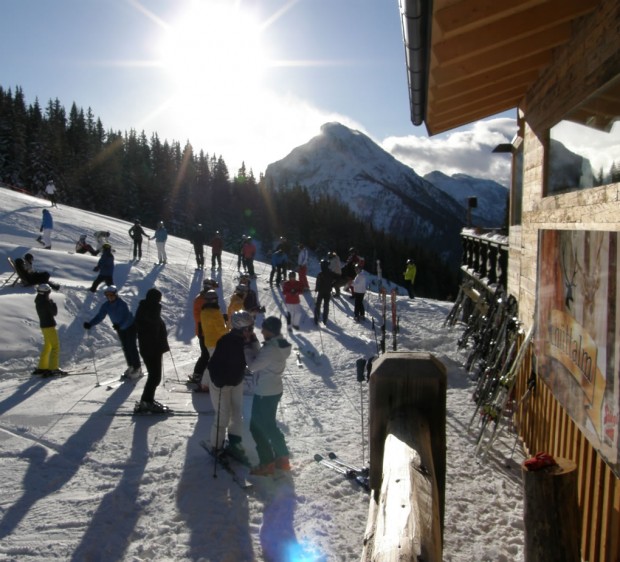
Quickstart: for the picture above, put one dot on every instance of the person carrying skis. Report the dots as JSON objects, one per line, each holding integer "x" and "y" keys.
{"x": 136, "y": 233}
{"x": 27, "y": 272}
{"x": 323, "y": 288}
{"x": 160, "y": 236}
{"x": 213, "y": 327}
{"x": 105, "y": 267}
{"x": 50, "y": 191}
{"x": 83, "y": 247}
{"x": 153, "y": 343}
{"x": 47, "y": 225}
{"x": 197, "y": 238}
{"x": 227, "y": 370}
{"x": 359, "y": 286}
{"x": 102, "y": 237}
{"x": 249, "y": 251}
{"x": 50, "y": 353}
{"x": 267, "y": 364}
{"x": 409, "y": 275}
{"x": 292, "y": 289}
{"x": 302, "y": 266}
{"x": 123, "y": 322}
{"x": 217, "y": 245}
{"x": 199, "y": 302}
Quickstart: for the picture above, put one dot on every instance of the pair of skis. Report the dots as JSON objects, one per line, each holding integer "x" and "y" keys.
{"x": 225, "y": 462}
{"x": 349, "y": 471}
{"x": 383, "y": 296}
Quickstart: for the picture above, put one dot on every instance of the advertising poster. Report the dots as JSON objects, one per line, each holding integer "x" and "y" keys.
{"x": 578, "y": 322}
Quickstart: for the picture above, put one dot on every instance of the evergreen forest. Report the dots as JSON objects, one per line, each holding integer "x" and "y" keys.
{"x": 128, "y": 175}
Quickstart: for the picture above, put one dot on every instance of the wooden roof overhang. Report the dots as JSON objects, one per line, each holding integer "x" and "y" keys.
{"x": 469, "y": 59}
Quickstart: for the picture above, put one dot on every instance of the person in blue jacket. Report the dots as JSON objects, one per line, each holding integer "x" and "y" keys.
{"x": 47, "y": 225}
{"x": 105, "y": 267}
{"x": 123, "y": 322}
{"x": 161, "y": 235}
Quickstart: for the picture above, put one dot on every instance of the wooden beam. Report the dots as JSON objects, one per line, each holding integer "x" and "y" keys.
{"x": 493, "y": 35}
{"x": 436, "y": 126}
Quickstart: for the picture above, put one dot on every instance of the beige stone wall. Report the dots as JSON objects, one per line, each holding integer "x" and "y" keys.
{"x": 583, "y": 66}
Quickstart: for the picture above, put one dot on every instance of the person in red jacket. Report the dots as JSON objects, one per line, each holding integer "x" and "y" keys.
{"x": 248, "y": 250}
{"x": 292, "y": 289}
{"x": 217, "y": 245}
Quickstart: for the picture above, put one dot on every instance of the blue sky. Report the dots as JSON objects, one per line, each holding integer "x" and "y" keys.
{"x": 248, "y": 80}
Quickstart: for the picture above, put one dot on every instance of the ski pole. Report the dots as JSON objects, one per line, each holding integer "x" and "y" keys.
{"x": 92, "y": 349}
{"x": 361, "y": 366}
{"x": 148, "y": 249}
{"x": 374, "y": 329}
{"x": 321, "y": 336}
{"x": 174, "y": 366}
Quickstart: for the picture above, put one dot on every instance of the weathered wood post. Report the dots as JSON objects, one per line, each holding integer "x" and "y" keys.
{"x": 551, "y": 514}
{"x": 407, "y": 458}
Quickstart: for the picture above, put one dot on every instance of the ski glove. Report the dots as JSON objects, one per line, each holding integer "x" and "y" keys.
{"x": 87, "y": 325}
{"x": 116, "y": 327}
{"x": 96, "y": 268}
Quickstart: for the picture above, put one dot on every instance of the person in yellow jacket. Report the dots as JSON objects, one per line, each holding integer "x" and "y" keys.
{"x": 237, "y": 300}
{"x": 409, "y": 275}
{"x": 199, "y": 301}
{"x": 213, "y": 327}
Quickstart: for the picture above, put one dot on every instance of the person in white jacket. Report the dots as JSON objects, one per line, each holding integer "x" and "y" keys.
{"x": 360, "y": 284}
{"x": 267, "y": 363}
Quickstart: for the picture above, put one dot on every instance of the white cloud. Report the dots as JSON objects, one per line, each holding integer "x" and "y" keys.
{"x": 467, "y": 151}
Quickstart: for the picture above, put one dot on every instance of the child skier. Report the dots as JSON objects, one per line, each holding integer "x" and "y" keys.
{"x": 50, "y": 354}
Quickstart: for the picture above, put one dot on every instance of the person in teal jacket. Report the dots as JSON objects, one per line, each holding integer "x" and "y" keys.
{"x": 123, "y": 322}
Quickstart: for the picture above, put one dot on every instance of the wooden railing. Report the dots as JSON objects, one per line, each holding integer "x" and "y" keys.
{"x": 485, "y": 257}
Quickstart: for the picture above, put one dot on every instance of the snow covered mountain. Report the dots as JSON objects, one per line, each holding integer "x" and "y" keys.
{"x": 492, "y": 198}
{"x": 347, "y": 165}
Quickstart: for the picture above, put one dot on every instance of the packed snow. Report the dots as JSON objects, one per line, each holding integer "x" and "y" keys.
{"x": 83, "y": 479}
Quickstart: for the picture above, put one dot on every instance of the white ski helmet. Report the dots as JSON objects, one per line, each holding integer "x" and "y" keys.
{"x": 44, "y": 288}
{"x": 110, "y": 290}
{"x": 242, "y": 319}
{"x": 211, "y": 296}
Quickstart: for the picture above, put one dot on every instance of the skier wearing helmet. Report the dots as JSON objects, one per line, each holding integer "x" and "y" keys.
{"x": 213, "y": 327}
{"x": 50, "y": 353}
{"x": 199, "y": 301}
{"x": 197, "y": 238}
{"x": 83, "y": 247}
{"x": 160, "y": 236}
{"x": 226, "y": 370}
{"x": 123, "y": 322}
{"x": 292, "y": 290}
{"x": 237, "y": 299}
{"x": 105, "y": 268}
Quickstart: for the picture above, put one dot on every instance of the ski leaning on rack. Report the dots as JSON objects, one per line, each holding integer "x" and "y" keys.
{"x": 225, "y": 462}
{"x": 346, "y": 472}
{"x": 394, "y": 319}
{"x": 383, "y": 296}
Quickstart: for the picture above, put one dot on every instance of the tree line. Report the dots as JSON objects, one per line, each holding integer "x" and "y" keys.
{"x": 128, "y": 175}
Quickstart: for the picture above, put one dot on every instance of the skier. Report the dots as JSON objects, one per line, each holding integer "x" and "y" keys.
{"x": 50, "y": 191}
{"x": 267, "y": 364}
{"x": 250, "y": 300}
{"x": 25, "y": 269}
{"x": 123, "y": 322}
{"x": 336, "y": 268}
{"x": 105, "y": 267}
{"x": 213, "y": 327}
{"x": 236, "y": 300}
{"x": 278, "y": 266}
{"x": 47, "y": 225}
{"x": 240, "y": 261}
{"x": 302, "y": 266}
{"x": 197, "y": 238}
{"x": 323, "y": 288}
{"x": 292, "y": 289}
{"x": 249, "y": 251}
{"x": 359, "y": 286}
{"x": 285, "y": 246}
{"x": 50, "y": 353}
{"x": 199, "y": 301}
{"x": 102, "y": 237}
{"x": 83, "y": 247}
{"x": 226, "y": 370}
{"x": 153, "y": 343}
{"x": 217, "y": 245}
{"x": 409, "y": 275}
{"x": 136, "y": 233}
{"x": 160, "y": 236}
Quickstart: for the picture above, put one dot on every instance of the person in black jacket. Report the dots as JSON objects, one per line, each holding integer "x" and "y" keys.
{"x": 136, "y": 233}
{"x": 26, "y": 271}
{"x": 197, "y": 238}
{"x": 227, "y": 370}
{"x": 153, "y": 343}
{"x": 323, "y": 288}
{"x": 50, "y": 354}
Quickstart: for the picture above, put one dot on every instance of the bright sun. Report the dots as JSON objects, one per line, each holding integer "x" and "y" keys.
{"x": 214, "y": 49}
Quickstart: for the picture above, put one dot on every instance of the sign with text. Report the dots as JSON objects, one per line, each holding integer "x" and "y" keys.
{"x": 578, "y": 331}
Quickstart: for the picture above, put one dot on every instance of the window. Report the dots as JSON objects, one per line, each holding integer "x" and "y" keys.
{"x": 583, "y": 149}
